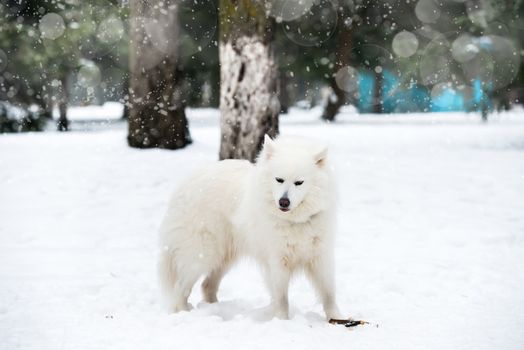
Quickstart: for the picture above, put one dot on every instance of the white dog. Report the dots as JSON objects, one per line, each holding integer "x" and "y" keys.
{"x": 280, "y": 211}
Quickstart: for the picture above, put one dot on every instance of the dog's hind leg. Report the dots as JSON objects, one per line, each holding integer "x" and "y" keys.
{"x": 224, "y": 258}
{"x": 211, "y": 284}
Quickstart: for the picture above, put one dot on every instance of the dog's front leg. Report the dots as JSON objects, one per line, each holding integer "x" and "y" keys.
{"x": 320, "y": 272}
{"x": 278, "y": 280}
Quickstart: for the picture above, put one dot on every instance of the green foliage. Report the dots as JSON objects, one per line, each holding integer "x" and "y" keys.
{"x": 199, "y": 53}
{"x": 38, "y": 63}
{"x": 248, "y": 17}
{"x": 28, "y": 121}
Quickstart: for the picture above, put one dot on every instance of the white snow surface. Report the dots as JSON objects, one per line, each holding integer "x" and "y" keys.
{"x": 430, "y": 240}
{"x": 106, "y": 112}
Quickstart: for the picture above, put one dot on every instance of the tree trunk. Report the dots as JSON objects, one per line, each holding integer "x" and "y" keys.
{"x": 378, "y": 103}
{"x": 248, "y": 73}
{"x": 336, "y": 100}
{"x": 125, "y": 99}
{"x": 342, "y": 59}
{"x": 283, "y": 92}
{"x": 157, "y": 112}
{"x": 63, "y": 123}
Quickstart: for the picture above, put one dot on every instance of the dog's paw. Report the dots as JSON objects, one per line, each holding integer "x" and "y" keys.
{"x": 333, "y": 314}
{"x": 282, "y": 314}
{"x": 182, "y": 307}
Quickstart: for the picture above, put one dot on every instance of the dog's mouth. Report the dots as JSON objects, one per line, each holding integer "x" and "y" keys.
{"x": 283, "y": 209}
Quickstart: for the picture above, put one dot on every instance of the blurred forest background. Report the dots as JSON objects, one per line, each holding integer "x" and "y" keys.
{"x": 158, "y": 57}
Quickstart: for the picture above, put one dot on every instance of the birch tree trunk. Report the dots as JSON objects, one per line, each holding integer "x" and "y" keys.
{"x": 249, "y": 104}
{"x": 156, "y": 109}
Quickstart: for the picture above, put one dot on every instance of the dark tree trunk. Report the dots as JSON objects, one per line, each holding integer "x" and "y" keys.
{"x": 334, "y": 102}
{"x": 283, "y": 92}
{"x": 157, "y": 112}
{"x": 248, "y": 73}
{"x": 63, "y": 122}
{"x": 125, "y": 113}
{"x": 484, "y": 104}
{"x": 378, "y": 105}
{"x": 342, "y": 59}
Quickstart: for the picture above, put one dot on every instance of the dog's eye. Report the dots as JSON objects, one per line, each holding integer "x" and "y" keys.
{"x": 279, "y": 180}
{"x": 298, "y": 183}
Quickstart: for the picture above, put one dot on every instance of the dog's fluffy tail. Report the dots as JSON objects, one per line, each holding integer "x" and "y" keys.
{"x": 167, "y": 273}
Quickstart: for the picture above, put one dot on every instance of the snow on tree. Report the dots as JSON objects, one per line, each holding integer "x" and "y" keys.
{"x": 248, "y": 72}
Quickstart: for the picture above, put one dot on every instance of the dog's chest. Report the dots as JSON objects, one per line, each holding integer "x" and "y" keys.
{"x": 300, "y": 244}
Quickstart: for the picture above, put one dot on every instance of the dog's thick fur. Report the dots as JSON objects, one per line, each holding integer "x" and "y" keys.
{"x": 232, "y": 209}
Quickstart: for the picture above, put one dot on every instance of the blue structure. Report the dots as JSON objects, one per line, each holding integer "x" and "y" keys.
{"x": 447, "y": 101}
{"x": 366, "y": 89}
{"x": 417, "y": 98}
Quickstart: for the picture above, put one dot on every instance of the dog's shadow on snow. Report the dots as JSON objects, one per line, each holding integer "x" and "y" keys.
{"x": 233, "y": 309}
{"x": 228, "y": 310}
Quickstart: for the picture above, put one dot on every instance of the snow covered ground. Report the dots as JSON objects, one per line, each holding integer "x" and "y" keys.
{"x": 430, "y": 241}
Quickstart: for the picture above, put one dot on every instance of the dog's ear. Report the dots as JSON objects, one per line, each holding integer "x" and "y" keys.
{"x": 269, "y": 146}
{"x": 267, "y": 140}
{"x": 320, "y": 157}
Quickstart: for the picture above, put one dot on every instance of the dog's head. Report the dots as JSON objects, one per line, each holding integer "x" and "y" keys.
{"x": 299, "y": 178}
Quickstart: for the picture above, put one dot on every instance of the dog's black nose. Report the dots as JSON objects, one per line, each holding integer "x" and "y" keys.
{"x": 284, "y": 202}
